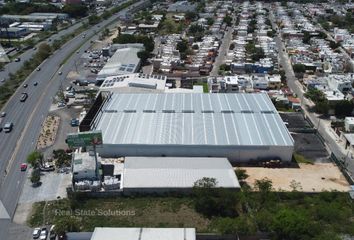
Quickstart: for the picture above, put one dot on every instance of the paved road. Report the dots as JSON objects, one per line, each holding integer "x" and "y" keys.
{"x": 322, "y": 128}
{"x": 28, "y": 117}
{"x": 12, "y": 67}
{"x": 224, "y": 48}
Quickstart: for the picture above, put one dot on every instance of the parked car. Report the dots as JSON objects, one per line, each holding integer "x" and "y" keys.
{"x": 23, "y": 97}
{"x": 44, "y": 234}
{"x": 38, "y": 69}
{"x": 52, "y": 234}
{"x": 70, "y": 95}
{"x": 25, "y": 85}
{"x": 47, "y": 169}
{"x": 75, "y": 122}
{"x": 61, "y": 104}
{"x": 60, "y": 73}
{"x": 36, "y": 232}
{"x": 3, "y": 114}
{"x": 17, "y": 59}
{"x": 23, "y": 167}
{"x": 35, "y": 83}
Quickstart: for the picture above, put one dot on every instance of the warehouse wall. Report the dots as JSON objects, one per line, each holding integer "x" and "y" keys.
{"x": 233, "y": 153}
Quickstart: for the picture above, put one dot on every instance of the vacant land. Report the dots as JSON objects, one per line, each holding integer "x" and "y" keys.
{"x": 281, "y": 214}
{"x": 310, "y": 177}
{"x": 123, "y": 212}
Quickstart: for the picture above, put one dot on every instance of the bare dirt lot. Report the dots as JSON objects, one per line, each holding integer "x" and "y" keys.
{"x": 309, "y": 177}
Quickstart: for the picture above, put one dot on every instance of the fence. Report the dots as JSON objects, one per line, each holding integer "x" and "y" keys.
{"x": 342, "y": 168}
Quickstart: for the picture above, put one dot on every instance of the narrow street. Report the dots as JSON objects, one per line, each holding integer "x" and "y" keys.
{"x": 323, "y": 125}
{"x": 224, "y": 47}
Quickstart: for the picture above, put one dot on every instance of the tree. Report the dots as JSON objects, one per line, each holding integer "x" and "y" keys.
{"x": 240, "y": 225}
{"x": 191, "y": 16}
{"x": 299, "y": 68}
{"x": 62, "y": 158}
{"x": 148, "y": 42}
{"x": 205, "y": 183}
{"x": 35, "y": 176}
{"x": 196, "y": 31}
{"x": 182, "y": 46}
{"x": 44, "y": 51}
{"x": 322, "y": 107}
{"x": 343, "y": 108}
{"x": 75, "y": 10}
{"x": 211, "y": 201}
{"x": 241, "y": 174}
{"x": 94, "y": 19}
{"x": 292, "y": 225}
{"x": 35, "y": 158}
{"x": 144, "y": 56}
{"x": 306, "y": 38}
{"x": 210, "y": 21}
{"x": 228, "y": 20}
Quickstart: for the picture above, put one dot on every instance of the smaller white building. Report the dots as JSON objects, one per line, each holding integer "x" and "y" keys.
{"x": 163, "y": 174}
{"x": 349, "y": 124}
{"x": 84, "y": 166}
{"x": 105, "y": 233}
{"x": 137, "y": 82}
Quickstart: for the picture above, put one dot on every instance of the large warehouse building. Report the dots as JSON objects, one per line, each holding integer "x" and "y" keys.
{"x": 240, "y": 127}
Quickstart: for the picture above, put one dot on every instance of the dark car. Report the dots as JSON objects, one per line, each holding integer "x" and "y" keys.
{"x": 23, "y": 97}
{"x": 35, "y": 83}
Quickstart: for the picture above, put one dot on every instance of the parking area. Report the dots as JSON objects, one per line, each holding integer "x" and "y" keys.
{"x": 53, "y": 186}
{"x": 310, "y": 146}
{"x": 309, "y": 177}
{"x": 294, "y": 120}
{"x": 307, "y": 143}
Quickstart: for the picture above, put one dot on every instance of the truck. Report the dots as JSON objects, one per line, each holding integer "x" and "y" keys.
{"x": 8, "y": 127}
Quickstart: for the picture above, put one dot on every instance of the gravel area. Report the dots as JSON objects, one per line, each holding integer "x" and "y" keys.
{"x": 311, "y": 177}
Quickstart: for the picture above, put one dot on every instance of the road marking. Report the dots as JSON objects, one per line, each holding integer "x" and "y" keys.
{"x": 29, "y": 121}
{"x": 3, "y": 212}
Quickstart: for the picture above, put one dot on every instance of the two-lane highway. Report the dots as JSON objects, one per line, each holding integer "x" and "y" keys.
{"x": 29, "y": 115}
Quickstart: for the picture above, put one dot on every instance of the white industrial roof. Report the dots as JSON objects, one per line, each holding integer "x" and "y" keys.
{"x": 192, "y": 119}
{"x": 123, "y": 61}
{"x": 136, "y": 82}
{"x": 143, "y": 234}
{"x": 176, "y": 172}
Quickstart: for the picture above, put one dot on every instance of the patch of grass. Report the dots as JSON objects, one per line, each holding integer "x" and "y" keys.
{"x": 124, "y": 212}
{"x": 36, "y": 218}
{"x": 205, "y": 87}
{"x": 301, "y": 159}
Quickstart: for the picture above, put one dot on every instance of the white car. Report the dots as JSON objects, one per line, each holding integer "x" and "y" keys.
{"x": 36, "y": 233}
{"x": 44, "y": 234}
{"x": 3, "y": 114}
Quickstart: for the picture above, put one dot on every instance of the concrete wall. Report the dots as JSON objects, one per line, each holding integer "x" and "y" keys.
{"x": 233, "y": 153}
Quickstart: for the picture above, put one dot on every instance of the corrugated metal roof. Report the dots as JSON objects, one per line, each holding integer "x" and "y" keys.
{"x": 144, "y": 234}
{"x": 193, "y": 119}
{"x": 170, "y": 172}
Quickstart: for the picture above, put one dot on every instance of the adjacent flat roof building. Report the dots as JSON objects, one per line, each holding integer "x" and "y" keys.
{"x": 143, "y": 234}
{"x": 161, "y": 174}
{"x": 134, "y": 83}
{"x": 240, "y": 127}
{"x": 123, "y": 61}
